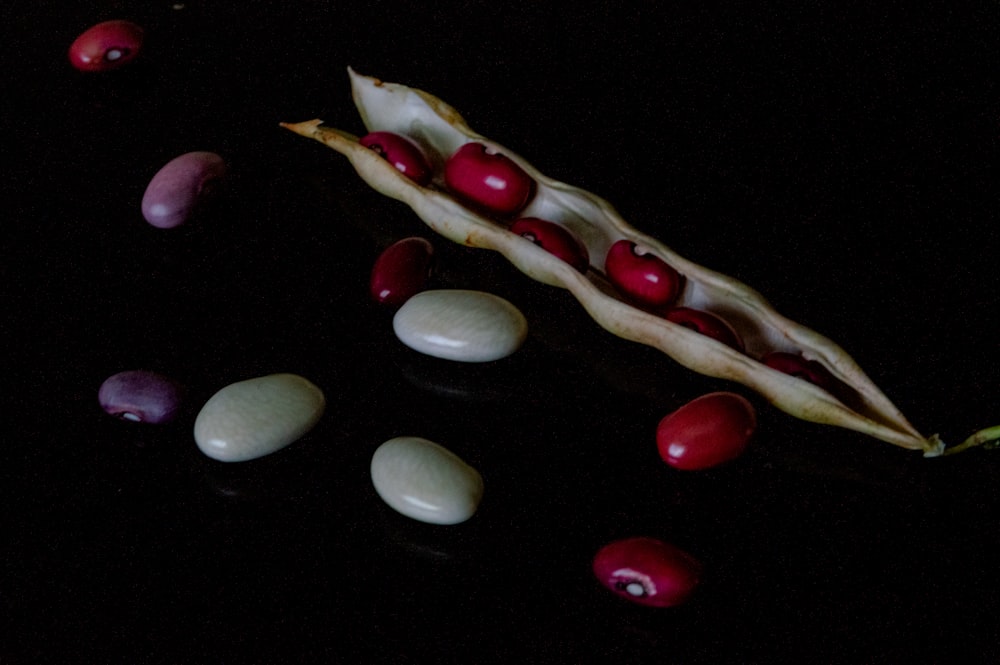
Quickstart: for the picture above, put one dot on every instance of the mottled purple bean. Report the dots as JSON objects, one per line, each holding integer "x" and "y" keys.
{"x": 177, "y": 189}
{"x": 141, "y": 396}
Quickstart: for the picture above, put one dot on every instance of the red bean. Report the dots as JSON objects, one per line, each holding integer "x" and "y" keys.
{"x": 141, "y": 396}
{"x": 647, "y": 571}
{"x": 401, "y": 271}
{"x": 706, "y": 432}
{"x": 808, "y": 370}
{"x": 176, "y": 191}
{"x": 642, "y": 276}
{"x": 707, "y": 324}
{"x": 106, "y": 46}
{"x": 555, "y": 239}
{"x": 488, "y": 180}
{"x": 402, "y": 152}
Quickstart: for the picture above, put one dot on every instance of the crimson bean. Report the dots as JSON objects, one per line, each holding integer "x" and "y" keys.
{"x": 402, "y": 152}
{"x": 486, "y": 179}
{"x": 106, "y": 46}
{"x": 642, "y": 276}
{"x": 555, "y": 239}
{"x": 647, "y": 571}
{"x": 707, "y": 431}
{"x": 708, "y": 324}
{"x": 401, "y": 271}
{"x": 809, "y": 370}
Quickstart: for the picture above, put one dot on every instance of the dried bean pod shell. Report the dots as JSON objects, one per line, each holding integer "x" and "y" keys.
{"x": 439, "y": 127}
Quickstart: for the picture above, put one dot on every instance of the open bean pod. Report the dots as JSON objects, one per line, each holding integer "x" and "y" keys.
{"x": 440, "y": 130}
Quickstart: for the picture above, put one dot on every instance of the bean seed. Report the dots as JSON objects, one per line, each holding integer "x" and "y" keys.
{"x": 423, "y": 480}
{"x": 462, "y": 325}
{"x": 180, "y": 187}
{"x": 257, "y": 417}
{"x": 106, "y": 46}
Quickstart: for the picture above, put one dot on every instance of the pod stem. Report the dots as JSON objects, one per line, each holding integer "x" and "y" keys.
{"x": 989, "y": 438}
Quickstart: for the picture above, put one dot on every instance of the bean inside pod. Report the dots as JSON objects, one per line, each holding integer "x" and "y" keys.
{"x": 861, "y": 406}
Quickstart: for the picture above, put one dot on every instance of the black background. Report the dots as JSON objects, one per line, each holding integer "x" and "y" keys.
{"x": 834, "y": 155}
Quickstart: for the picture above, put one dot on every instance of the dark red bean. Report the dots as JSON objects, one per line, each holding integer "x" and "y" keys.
{"x": 647, "y": 571}
{"x": 180, "y": 187}
{"x": 106, "y": 46}
{"x": 707, "y": 431}
{"x": 488, "y": 180}
{"x": 402, "y": 152}
{"x": 401, "y": 271}
{"x": 708, "y": 324}
{"x": 808, "y": 370}
{"x": 642, "y": 276}
{"x": 555, "y": 239}
{"x": 141, "y": 396}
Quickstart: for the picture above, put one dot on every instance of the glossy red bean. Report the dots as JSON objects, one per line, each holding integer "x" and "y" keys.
{"x": 488, "y": 180}
{"x": 642, "y": 276}
{"x": 707, "y": 431}
{"x": 106, "y": 46}
{"x": 403, "y": 153}
{"x": 401, "y": 271}
{"x": 180, "y": 187}
{"x": 555, "y": 239}
{"x": 647, "y": 571}
{"x": 708, "y": 324}
{"x": 808, "y": 370}
{"x": 141, "y": 396}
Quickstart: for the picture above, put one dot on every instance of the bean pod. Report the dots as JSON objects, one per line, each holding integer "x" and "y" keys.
{"x": 439, "y": 127}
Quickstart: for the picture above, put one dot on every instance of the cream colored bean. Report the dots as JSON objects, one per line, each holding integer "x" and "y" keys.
{"x": 256, "y": 417}
{"x": 462, "y": 325}
{"x": 423, "y": 480}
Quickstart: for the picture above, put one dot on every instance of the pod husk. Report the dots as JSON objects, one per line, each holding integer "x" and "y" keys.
{"x": 441, "y": 130}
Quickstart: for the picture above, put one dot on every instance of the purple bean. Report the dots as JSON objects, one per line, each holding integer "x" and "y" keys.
{"x": 141, "y": 396}
{"x": 177, "y": 189}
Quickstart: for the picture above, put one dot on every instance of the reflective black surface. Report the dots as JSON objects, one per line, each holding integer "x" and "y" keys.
{"x": 833, "y": 156}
